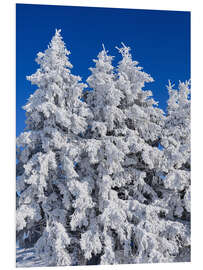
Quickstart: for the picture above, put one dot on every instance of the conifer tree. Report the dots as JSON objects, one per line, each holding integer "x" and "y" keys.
{"x": 121, "y": 163}
{"x": 47, "y": 153}
{"x": 157, "y": 237}
{"x": 126, "y": 168}
{"x": 105, "y": 151}
{"x": 176, "y": 161}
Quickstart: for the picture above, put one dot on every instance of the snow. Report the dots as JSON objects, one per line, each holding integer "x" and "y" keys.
{"x": 27, "y": 258}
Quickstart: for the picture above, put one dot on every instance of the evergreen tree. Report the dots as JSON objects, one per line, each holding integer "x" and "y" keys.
{"x": 122, "y": 164}
{"x": 157, "y": 236}
{"x": 47, "y": 153}
{"x": 176, "y": 162}
{"x": 104, "y": 153}
{"x": 142, "y": 129}
{"x": 130, "y": 215}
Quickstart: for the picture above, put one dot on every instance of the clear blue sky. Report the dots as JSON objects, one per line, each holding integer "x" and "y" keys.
{"x": 160, "y": 42}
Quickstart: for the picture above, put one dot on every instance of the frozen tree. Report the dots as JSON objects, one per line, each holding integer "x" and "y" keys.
{"x": 47, "y": 153}
{"x": 153, "y": 239}
{"x": 103, "y": 153}
{"x": 123, "y": 166}
{"x": 176, "y": 163}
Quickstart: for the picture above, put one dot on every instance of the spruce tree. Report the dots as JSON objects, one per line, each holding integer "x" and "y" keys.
{"x": 105, "y": 151}
{"x": 122, "y": 164}
{"x": 157, "y": 237}
{"x": 47, "y": 153}
{"x": 176, "y": 161}
{"x": 126, "y": 165}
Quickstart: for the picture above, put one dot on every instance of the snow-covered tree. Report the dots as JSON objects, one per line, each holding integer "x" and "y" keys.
{"x": 142, "y": 128}
{"x": 176, "y": 162}
{"x": 123, "y": 165}
{"x": 120, "y": 162}
{"x": 47, "y": 153}
{"x": 104, "y": 152}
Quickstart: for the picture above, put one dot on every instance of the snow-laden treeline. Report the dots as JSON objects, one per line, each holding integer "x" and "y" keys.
{"x": 103, "y": 176}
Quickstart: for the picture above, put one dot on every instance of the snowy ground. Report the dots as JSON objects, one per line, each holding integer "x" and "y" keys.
{"x": 26, "y": 258}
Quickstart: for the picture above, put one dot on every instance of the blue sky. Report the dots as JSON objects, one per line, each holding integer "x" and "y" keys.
{"x": 160, "y": 42}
